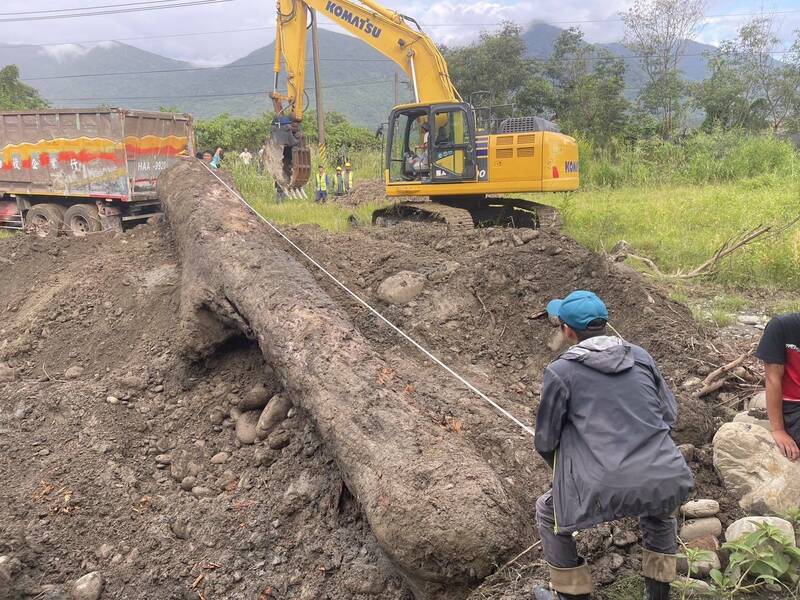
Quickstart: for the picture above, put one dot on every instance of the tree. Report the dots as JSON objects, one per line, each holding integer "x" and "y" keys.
{"x": 776, "y": 83}
{"x": 727, "y": 96}
{"x": 587, "y": 88}
{"x": 495, "y": 64}
{"x": 657, "y": 31}
{"x": 15, "y": 95}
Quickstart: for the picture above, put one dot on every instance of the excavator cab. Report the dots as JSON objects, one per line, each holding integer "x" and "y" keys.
{"x": 431, "y": 143}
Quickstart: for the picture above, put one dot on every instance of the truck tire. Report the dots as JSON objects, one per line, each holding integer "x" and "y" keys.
{"x": 44, "y": 220}
{"x": 82, "y": 219}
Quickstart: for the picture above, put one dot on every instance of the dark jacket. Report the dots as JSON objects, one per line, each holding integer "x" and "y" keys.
{"x": 604, "y": 426}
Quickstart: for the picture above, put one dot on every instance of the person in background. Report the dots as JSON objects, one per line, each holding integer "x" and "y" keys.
{"x": 280, "y": 195}
{"x": 348, "y": 178}
{"x": 213, "y": 160}
{"x": 245, "y": 156}
{"x": 603, "y": 425}
{"x": 322, "y": 185}
{"x": 339, "y": 182}
{"x": 779, "y": 350}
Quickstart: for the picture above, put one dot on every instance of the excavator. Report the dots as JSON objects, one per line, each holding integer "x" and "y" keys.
{"x": 434, "y": 151}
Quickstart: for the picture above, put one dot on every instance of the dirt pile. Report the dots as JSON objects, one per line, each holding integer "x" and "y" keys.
{"x": 103, "y": 417}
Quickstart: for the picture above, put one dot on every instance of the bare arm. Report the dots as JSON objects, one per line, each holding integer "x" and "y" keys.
{"x": 774, "y": 376}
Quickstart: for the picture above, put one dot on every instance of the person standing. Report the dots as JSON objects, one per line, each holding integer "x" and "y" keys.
{"x": 322, "y": 185}
{"x": 245, "y": 156}
{"x": 339, "y": 182}
{"x": 348, "y": 178}
{"x": 603, "y": 425}
{"x": 779, "y": 350}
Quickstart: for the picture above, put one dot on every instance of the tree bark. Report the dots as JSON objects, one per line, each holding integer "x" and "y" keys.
{"x": 437, "y": 509}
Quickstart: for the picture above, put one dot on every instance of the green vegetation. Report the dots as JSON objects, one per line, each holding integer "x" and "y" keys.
{"x": 234, "y": 134}
{"x": 4, "y": 233}
{"x": 762, "y": 557}
{"x": 678, "y": 202}
{"x": 259, "y": 190}
{"x": 15, "y": 95}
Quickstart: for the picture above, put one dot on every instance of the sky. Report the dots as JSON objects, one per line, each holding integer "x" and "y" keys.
{"x": 169, "y": 32}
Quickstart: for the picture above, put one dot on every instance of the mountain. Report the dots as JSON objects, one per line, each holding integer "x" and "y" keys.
{"x": 540, "y": 37}
{"x": 357, "y": 80}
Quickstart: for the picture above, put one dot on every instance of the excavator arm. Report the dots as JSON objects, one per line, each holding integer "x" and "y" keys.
{"x": 389, "y": 32}
{"x": 385, "y": 30}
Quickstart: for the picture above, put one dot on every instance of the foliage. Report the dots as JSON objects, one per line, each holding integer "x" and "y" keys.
{"x": 680, "y": 224}
{"x": 495, "y": 64}
{"x": 237, "y": 133}
{"x": 588, "y": 100}
{"x": 700, "y": 158}
{"x": 15, "y": 95}
{"x": 580, "y": 85}
{"x": 232, "y": 133}
{"x": 656, "y": 31}
{"x": 748, "y": 87}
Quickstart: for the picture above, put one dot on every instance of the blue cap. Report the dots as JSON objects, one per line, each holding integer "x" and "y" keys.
{"x": 578, "y": 309}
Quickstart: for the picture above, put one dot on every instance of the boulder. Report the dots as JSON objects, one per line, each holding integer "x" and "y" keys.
{"x": 273, "y": 415}
{"x": 759, "y": 400}
{"x": 746, "y": 417}
{"x": 749, "y": 524}
{"x": 88, "y": 587}
{"x": 74, "y": 372}
{"x": 698, "y": 528}
{"x": 708, "y": 542}
{"x": 402, "y": 287}
{"x": 256, "y": 397}
{"x": 697, "y": 509}
{"x": 246, "y": 427}
{"x": 752, "y": 468}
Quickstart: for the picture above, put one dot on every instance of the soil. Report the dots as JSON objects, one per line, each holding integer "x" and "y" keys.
{"x": 94, "y": 456}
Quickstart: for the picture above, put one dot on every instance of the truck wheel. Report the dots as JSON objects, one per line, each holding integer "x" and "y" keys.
{"x": 81, "y": 219}
{"x": 44, "y": 220}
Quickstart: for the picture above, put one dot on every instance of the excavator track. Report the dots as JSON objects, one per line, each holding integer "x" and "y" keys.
{"x": 467, "y": 213}
{"x": 454, "y": 217}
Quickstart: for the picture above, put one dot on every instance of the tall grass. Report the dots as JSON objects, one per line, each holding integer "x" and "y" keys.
{"x": 679, "y": 227}
{"x": 702, "y": 158}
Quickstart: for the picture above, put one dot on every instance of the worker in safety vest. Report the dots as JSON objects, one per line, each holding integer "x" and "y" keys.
{"x": 348, "y": 178}
{"x": 339, "y": 182}
{"x": 322, "y": 185}
{"x": 603, "y": 425}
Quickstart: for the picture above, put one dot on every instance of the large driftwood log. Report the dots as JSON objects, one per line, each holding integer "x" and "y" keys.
{"x": 436, "y": 508}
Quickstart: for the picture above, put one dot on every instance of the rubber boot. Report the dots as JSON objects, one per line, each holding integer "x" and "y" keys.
{"x": 655, "y": 590}
{"x": 543, "y": 593}
{"x": 570, "y": 584}
{"x": 658, "y": 570}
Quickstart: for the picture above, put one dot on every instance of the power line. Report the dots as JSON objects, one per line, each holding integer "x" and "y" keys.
{"x": 81, "y": 8}
{"x": 231, "y": 94}
{"x": 115, "y": 11}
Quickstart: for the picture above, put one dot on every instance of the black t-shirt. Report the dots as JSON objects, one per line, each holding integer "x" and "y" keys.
{"x": 780, "y": 345}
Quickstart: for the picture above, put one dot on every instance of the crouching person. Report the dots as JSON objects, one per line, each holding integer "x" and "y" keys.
{"x": 604, "y": 426}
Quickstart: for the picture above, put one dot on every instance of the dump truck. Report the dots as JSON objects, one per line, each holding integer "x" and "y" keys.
{"x": 80, "y": 171}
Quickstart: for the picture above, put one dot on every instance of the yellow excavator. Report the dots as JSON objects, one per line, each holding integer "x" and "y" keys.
{"x": 433, "y": 147}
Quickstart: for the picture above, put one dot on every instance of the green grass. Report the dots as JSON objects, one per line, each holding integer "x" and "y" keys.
{"x": 259, "y": 191}
{"x": 4, "y": 233}
{"x": 679, "y": 227}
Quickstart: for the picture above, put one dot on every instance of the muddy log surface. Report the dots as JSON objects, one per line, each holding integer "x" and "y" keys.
{"x": 438, "y": 510}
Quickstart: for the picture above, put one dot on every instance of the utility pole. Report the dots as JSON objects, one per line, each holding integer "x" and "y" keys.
{"x": 318, "y": 88}
{"x": 396, "y": 90}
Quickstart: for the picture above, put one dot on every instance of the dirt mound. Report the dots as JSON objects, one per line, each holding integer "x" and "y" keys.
{"x": 104, "y": 419}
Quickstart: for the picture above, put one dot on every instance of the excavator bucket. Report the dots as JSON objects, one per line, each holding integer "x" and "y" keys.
{"x": 287, "y": 157}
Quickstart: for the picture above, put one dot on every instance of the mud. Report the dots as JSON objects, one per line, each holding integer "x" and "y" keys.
{"x": 86, "y": 480}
